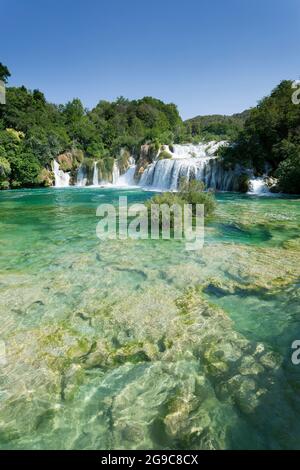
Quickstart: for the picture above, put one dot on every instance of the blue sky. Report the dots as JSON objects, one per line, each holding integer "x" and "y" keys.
{"x": 207, "y": 56}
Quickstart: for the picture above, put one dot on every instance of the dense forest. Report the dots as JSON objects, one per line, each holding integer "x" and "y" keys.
{"x": 270, "y": 139}
{"x": 33, "y": 132}
{"x": 216, "y": 126}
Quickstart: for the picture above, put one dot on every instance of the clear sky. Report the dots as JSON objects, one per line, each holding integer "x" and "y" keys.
{"x": 207, "y": 56}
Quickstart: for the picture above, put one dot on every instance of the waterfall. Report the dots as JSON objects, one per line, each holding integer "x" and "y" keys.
{"x": 62, "y": 179}
{"x": 127, "y": 179}
{"x": 81, "y": 176}
{"x": 95, "y": 175}
{"x": 258, "y": 186}
{"x": 192, "y": 162}
{"x": 115, "y": 173}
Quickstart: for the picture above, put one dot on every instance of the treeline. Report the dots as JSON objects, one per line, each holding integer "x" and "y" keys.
{"x": 270, "y": 139}
{"x": 216, "y": 126}
{"x": 33, "y": 132}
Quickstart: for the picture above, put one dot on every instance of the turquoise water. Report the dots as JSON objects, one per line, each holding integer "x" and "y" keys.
{"x": 140, "y": 343}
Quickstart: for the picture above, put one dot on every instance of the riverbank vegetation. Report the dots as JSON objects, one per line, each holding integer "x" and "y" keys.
{"x": 270, "y": 139}
{"x": 189, "y": 192}
{"x": 33, "y": 132}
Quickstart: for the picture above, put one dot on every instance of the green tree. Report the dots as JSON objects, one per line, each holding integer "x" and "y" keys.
{"x": 288, "y": 173}
{"x": 4, "y": 73}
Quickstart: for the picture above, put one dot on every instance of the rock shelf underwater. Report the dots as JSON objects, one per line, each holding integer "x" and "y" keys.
{"x": 140, "y": 344}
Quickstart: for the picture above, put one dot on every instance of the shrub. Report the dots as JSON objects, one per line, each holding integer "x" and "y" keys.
{"x": 4, "y": 184}
{"x": 190, "y": 192}
{"x": 164, "y": 155}
{"x": 4, "y": 168}
{"x": 77, "y": 157}
{"x": 45, "y": 178}
{"x": 65, "y": 161}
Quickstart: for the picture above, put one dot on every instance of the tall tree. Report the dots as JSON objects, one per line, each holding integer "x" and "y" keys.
{"x": 4, "y": 73}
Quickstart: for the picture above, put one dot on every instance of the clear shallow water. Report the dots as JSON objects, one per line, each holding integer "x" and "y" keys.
{"x": 141, "y": 344}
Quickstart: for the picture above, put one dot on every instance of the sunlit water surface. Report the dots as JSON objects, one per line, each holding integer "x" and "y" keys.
{"x": 140, "y": 343}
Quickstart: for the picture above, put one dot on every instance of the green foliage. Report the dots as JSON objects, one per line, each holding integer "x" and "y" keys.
{"x": 288, "y": 173}
{"x": 24, "y": 165}
{"x": 123, "y": 160}
{"x": 45, "y": 178}
{"x": 243, "y": 183}
{"x": 50, "y": 131}
{"x": 4, "y": 167}
{"x": 33, "y": 132}
{"x": 25, "y": 170}
{"x": 190, "y": 192}
{"x": 95, "y": 150}
{"x": 271, "y": 136}
{"x": 164, "y": 155}
{"x": 215, "y": 127}
{"x": 105, "y": 167}
{"x": 4, "y": 73}
{"x": 125, "y": 123}
{"x": 46, "y": 144}
{"x": 4, "y": 184}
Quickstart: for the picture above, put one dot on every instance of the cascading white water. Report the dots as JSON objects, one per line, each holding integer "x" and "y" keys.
{"x": 187, "y": 160}
{"x": 62, "y": 179}
{"x": 192, "y": 162}
{"x": 200, "y": 150}
{"x": 127, "y": 179}
{"x": 115, "y": 173}
{"x": 95, "y": 175}
{"x": 81, "y": 176}
{"x": 258, "y": 186}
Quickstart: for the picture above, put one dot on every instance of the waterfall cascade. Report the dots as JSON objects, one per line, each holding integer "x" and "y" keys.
{"x": 81, "y": 176}
{"x": 95, "y": 175}
{"x": 115, "y": 174}
{"x": 62, "y": 179}
{"x": 127, "y": 179}
{"x": 192, "y": 162}
{"x": 258, "y": 186}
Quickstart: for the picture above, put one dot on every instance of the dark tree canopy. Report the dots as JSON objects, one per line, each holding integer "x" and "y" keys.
{"x": 4, "y": 73}
{"x": 271, "y": 138}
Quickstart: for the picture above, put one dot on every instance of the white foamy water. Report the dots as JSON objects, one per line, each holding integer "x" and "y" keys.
{"x": 258, "y": 186}
{"x": 200, "y": 150}
{"x": 81, "y": 177}
{"x": 127, "y": 179}
{"x": 115, "y": 173}
{"x": 189, "y": 161}
{"x": 62, "y": 179}
{"x": 95, "y": 175}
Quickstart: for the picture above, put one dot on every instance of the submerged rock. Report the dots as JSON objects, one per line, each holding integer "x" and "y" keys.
{"x": 163, "y": 377}
{"x": 42, "y": 368}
